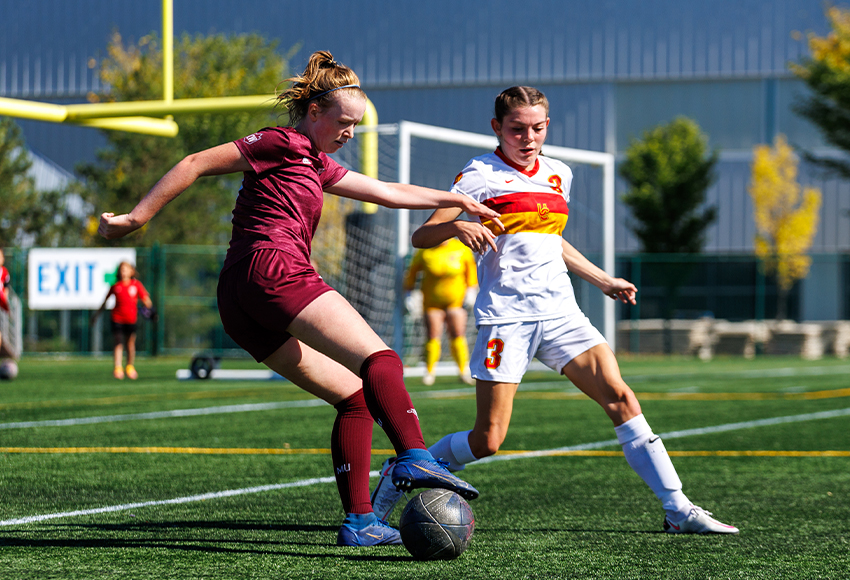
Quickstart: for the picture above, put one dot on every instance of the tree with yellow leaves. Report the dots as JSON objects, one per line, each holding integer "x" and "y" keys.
{"x": 826, "y": 71}
{"x": 786, "y": 217}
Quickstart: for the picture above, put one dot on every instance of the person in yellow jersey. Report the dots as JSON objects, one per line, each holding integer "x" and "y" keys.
{"x": 449, "y": 280}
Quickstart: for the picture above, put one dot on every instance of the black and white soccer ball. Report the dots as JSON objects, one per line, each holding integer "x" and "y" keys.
{"x": 8, "y": 370}
{"x": 437, "y": 524}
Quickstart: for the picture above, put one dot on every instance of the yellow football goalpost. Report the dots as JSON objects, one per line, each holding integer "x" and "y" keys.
{"x": 154, "y": 117}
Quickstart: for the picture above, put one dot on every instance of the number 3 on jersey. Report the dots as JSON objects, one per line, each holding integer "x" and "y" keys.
{"x": 495, "y": 347}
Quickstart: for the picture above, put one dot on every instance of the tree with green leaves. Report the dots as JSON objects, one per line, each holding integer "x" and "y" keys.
{"x": 669, "y": 171}
{"x": 29, "y": 216}
{"x": 827, "y": 73}
{"x": 204, "y": 66}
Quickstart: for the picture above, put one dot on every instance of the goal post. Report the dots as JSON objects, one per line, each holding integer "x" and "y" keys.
{"x": 363, "y": 252}
{"x": 407, "y": 130}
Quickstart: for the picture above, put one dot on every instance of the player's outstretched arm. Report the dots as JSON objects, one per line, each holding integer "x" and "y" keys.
{"x": 399, "y": 195}
{"x": 443, "y": 225}
{"x": 614, "y": 288}
{"x": 218, "y": 160}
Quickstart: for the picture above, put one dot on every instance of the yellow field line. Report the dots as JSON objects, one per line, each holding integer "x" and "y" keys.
{"x": 829, "y": 394}
{"x": 382, "y": 452}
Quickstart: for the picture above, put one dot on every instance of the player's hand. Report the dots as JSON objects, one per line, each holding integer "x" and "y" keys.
{"x": 622, "y": 290}
{"x": 413, "y": 303}
{"x": 477, "y": 237}
{"x": 470, "y": 296}
{"x": 472, "y": 207}
{"x": 116, "y": 226}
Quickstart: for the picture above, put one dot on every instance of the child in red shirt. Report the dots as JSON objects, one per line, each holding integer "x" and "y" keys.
{"x": 4, "y": 287}
{"x": 127, "y": 291}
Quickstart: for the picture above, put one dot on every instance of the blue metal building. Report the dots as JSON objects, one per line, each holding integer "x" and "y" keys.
{"x": 611, "y": 69}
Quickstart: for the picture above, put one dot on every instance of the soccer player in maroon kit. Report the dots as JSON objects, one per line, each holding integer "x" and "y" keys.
{"x": 274, "y": 304}
{"x": 127, "y": 291}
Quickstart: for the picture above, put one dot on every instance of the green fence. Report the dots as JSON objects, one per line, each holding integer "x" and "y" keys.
{"x": 182, "y": 281}
{"x": 731, "y": 287}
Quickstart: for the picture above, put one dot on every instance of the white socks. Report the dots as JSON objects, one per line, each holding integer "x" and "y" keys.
{"x": 646, "y": 454}
{"x": 454, "y": 449}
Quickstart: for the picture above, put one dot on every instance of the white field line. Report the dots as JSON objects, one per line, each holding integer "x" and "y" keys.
{"x": 165, "y": 414}
{"x": 746, "y": 374}
{"x": 565, "y": 384}
{"x": 234, "y": 409}
{"x": 208, "y": 411}
{"x": 678, "y": 434}
{"x": 176, "y": 500}
{"x": 506, "y": 457}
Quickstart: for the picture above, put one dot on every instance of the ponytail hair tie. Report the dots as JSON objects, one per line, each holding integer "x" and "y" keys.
{"x": 332, "y": 90}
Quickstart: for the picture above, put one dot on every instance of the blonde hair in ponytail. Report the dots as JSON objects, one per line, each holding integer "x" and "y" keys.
{"x": 320, "y": 79}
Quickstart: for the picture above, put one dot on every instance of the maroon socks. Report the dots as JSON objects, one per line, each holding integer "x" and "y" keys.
{"x": 351, "y": 450}
{"x": 389, "y": 402}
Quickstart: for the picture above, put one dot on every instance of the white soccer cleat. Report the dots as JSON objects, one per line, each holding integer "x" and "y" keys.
{"x": 699, "y": 521}
{"x": 428, "y": 379}
{"x": 385, "y": 496}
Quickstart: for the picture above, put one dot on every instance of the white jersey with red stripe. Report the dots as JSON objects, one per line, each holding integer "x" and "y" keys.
{"x": 526, "y": 278}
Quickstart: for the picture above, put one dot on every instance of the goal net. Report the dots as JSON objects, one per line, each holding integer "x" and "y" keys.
{"x": 364, "y": 251}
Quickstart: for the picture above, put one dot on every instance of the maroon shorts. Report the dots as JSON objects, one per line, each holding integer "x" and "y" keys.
{"x": 260, "y": 295}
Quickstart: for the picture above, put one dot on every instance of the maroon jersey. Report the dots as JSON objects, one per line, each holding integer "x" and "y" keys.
{"x": 280, "y": 201}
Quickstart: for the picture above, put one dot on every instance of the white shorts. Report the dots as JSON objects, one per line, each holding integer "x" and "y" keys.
{"x": 503, "y": 352}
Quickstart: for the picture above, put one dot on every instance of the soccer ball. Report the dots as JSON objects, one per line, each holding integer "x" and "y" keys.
{"x": 437, "y": 524}
{"x": 8, "y": 370}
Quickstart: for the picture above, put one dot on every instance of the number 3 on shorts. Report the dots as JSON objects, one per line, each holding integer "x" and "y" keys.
{"x": 495, "y": 346}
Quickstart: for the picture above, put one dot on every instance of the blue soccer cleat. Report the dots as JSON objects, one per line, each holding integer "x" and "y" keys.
{"x": 386, "y": 496}
{"x": 409, "y": 473}
{"x": 377, "y": 533}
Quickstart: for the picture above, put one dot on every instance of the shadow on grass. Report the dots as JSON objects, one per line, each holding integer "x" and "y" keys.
{"x": 222, "y": 545}
{"x": 142, "y": 525}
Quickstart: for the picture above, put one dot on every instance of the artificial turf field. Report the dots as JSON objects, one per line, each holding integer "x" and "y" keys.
{"x": 106, "y": 479}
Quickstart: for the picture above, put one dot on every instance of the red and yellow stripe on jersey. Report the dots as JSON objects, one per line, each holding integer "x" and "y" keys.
{"x": 539, "y": 213}
{"x": 524, "y": 278}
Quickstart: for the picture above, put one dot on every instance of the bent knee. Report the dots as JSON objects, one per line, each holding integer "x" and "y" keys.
{"x": 621, "y": 403}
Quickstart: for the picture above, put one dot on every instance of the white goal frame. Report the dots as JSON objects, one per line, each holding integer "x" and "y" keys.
{"x": 406, "y": 130}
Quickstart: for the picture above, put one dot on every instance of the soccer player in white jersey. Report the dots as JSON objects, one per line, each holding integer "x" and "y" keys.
{"x": 526, "y": 308}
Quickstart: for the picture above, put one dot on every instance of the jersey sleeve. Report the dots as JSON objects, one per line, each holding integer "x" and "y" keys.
{"x": 413, "y": 271}
{"x": 143, "y": 293}
{"x": 471, "y": 269}
{"x": 333, "y": 171}
{"x": 471, "y": 182}
{"x": 264, "y": 149}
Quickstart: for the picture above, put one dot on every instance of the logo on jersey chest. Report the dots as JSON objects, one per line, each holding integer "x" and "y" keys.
{"x": 543, "y": 211}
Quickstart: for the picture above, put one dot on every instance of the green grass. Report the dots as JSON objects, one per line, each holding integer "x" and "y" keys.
{"x": 550, "y": 517}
